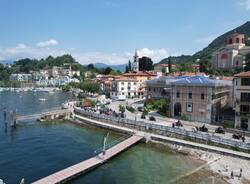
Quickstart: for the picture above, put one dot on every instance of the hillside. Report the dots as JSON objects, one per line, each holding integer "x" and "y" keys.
{"x": 120, "y": 67}
{"x": 206, "y": 53}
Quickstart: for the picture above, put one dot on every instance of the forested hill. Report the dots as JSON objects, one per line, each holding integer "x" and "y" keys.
{"x": 205, "y": 54}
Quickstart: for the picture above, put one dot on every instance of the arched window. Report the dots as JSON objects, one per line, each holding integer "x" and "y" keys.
{"x": 230, "y": 41}
{"x": 237, "y": 40}
{"x": 223, "y": 56}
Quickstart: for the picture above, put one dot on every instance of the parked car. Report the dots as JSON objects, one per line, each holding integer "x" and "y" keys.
{"x": 220, "y": 130}
{"x": 152, "y": 118}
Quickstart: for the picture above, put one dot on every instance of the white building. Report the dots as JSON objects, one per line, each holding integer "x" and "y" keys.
{"x": 21, "y": 77}
{"x": 242, "y": 100}
{"x": 123, "y": 88}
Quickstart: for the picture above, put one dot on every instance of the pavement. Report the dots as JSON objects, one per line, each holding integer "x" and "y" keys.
{"x": 187, "y": 125}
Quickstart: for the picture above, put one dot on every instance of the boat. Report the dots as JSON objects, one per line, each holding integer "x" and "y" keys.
{"x": 42, "y": 99}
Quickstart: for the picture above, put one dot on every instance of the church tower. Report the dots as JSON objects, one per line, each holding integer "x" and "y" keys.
{"x": 136, "y": 62}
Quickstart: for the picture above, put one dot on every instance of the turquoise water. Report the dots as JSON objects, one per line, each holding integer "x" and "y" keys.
{"x": 34, "y": 150}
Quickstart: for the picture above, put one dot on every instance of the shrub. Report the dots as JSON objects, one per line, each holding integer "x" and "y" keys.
{"x": 130, "y": 109}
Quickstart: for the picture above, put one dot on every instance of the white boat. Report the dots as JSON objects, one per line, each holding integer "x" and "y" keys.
{"x": 42, "y": 99}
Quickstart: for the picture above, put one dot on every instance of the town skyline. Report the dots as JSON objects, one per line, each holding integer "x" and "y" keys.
{"x": 110, "y": 31}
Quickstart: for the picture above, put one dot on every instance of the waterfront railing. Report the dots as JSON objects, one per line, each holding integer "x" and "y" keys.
{"x": 163, "y": 129}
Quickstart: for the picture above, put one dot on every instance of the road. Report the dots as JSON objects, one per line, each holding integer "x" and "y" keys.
{"x": 187, "y": 125}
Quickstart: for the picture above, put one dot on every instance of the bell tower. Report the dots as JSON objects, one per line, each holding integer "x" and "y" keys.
{"x": 136, "y": 62}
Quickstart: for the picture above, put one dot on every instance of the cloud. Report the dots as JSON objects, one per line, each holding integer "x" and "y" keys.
{"x": 155, "y": 54}
{"x": 47, "y": 43}
{"x": 245, "y": 3}
{"x": 23, "y": 51}
{"x": 205, "y": 40}
{"x": 21, "y": 46}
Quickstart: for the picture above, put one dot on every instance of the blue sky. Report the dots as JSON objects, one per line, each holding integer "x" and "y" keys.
{"x": 110, "y": 30}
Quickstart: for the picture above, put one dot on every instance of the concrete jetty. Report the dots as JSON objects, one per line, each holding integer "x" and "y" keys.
{"x": 82, "y": 167}
{"x": 52, "y": 114}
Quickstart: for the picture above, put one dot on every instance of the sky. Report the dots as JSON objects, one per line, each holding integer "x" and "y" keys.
{"x": 109, "y": 31}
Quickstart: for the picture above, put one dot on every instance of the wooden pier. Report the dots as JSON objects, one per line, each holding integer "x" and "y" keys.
{"x": 82, "y": 167}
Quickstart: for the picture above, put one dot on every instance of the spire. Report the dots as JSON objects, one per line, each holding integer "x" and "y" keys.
{"x": 136, "y": 54}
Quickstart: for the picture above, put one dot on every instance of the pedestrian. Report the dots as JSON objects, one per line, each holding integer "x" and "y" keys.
{"x": 232, "y": 175}
{"x": 243, "y": 138}
{"x": 240, "y": 172}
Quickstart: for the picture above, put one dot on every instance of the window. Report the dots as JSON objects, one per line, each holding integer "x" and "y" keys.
{"x": 244, "y": 108}
{"x": 122, "y": 89}
{"x": 237, "y": 40}
{"x": 129, "y": 88}
{"x": 122, "y": 83}
{"x": 149, "y": 89}
{"x": 230, "y": 41}
{"x": 202, "y": 96}
{"x": 245, "y": 81}
{"x": 134, "y": 83}
{"x": 245, "y": 97}
{"x": 244, "y": 123}
{"x": 189, "y": 107}
{"x": 237, "y": 63}
{"x": 123, "y": 93}
{"x": 190, "y": 95}
{"x": 177, "y": 94}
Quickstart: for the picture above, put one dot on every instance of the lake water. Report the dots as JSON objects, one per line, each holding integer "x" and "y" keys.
{"x": 34, "y": 150}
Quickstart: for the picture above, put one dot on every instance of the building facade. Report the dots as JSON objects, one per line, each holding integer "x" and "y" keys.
{"x": 196, "y": 98}
{"x": 123, "y": 88}
{"x": 232, "y": 55}
{"x": 242, "y": 100}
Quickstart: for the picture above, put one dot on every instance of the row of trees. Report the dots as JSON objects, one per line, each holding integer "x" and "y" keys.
{"x": 86, "y": 86}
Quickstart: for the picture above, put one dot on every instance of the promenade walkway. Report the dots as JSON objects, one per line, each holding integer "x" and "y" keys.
{"x": 167, "y": 139}
{"x": 82, "y": 167}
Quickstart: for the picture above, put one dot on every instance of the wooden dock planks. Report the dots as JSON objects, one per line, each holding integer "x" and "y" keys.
{"x": 73, "y": 171}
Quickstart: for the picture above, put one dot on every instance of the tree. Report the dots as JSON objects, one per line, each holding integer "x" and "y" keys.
{"x": 247, "y": 59}
{"x": 121, "y": 109}
{"x": 107, "y": 71}
{"x": 126, "y": 69}
{"x": 90, "y": 66}
{"x": 145, "y": 64}
{"x": 129, "y": 66}
{"x": 169, "y": 65}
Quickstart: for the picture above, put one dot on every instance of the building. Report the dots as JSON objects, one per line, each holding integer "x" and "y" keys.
{"x": 242, "y": 100}
{"x": 135, "y": 65}
{"x": 123, "y": 88}
{"x": 195, "y": 98}
{"x": 164, "y": 68}
{"x": 141, "y": 78}
{"x": 21, "y": 77}
{"x": 232, "y": 55}
{"x": 64, "y": 71}
{"x": 105, "y": 82}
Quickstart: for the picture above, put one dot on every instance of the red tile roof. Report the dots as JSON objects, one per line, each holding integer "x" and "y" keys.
{"x": 243, "y": 74}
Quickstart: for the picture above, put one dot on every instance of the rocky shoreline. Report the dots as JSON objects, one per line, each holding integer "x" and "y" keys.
{"x": 218, "y": 167}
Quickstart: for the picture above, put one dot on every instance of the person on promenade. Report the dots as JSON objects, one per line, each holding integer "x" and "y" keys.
{"x": 232, "y": 175}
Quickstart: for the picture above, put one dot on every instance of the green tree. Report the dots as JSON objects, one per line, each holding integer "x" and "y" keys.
{"x": 145, "y": 64}
{"x": 121, "y": 109}
{"x": 129, "y": 66}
